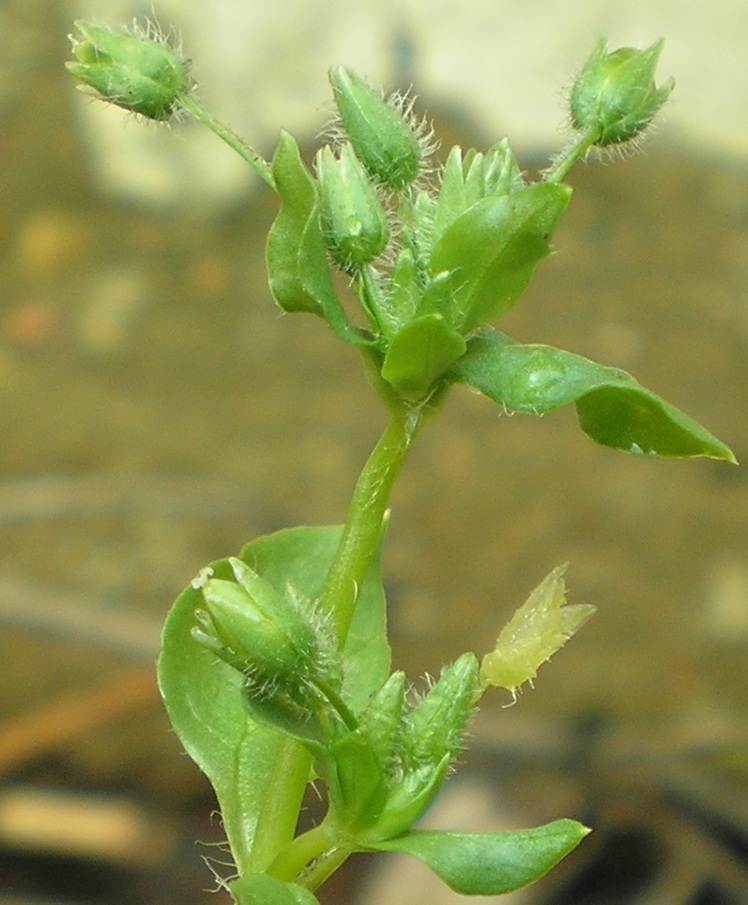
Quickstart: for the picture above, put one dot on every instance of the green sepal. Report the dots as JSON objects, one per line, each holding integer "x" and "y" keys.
{"x": 493, "y": 247}
{"x": 382, "y": 719}
{"x": 295, "y": 255}
{"x": 489, "y": 864}
{"x": 435, "y": 727}
{"x": 419, "y": 354}
{"x": 353, "y": 221}
{"x": 408, "y": 799}
{"x": 404, "y": 289}
{"x": 467, "y": 179}
{"x": 203, "y": 698}
{"x": 355, "y": 782}
{"x": 264, "y": 889}
{"x": 612, "y": 408}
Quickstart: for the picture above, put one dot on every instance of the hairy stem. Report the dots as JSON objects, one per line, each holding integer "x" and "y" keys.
{"x": 312, "y": 857}
{"x": 363, "y": 526}
{"x": 566, "y": 159}
{"x": 255, "y": 160}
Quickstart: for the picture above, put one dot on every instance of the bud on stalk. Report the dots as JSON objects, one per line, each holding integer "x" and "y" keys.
{"x": 135, "y": 71}
{"x": 250, "y": 626}
{"x": 614, "y": 96}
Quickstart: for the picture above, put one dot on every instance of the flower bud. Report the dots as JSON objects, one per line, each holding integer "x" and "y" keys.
{"x": 253, "y": 628}
{"x": 436, "y": 726}
{"x": 354, "y": 224}
{"x": 614, "y": 96}
{"x": 135, "y": 71}
{"x": 383, "y": 139}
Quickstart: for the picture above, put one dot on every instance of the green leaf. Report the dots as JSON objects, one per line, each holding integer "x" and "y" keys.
{"x": 243, "y": 759}
{"x": 493, "y": 247}
{"x": 612, "y": 408}
{"x": 489, "y": 864}
{"x": 295, "y": 256}
{"x": 420, "y": 353}
{"x": 264, "y": 889}
{"x": 298, "y": 205}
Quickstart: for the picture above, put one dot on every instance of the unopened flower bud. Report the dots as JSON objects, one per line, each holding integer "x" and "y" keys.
{"x": 253, "y": 628}
{"x": 135, "y": 71}
{"x": 430, "y": 739}
{"x": 354, "y": 224}
{"x": 614, "y": 96}
{"x": 383, "y": 139}
{"x": 436, "y": 726}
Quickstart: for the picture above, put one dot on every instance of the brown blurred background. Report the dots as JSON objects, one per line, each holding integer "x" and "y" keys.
{"x": 157, "y": 412}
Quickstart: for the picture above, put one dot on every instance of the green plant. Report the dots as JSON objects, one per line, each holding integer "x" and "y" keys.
{"x": 275, "y": 664}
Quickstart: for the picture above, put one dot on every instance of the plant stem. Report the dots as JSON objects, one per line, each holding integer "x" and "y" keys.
{"x": 320, "y": 847}
{"x": 566, "y": 160}
{"x": 363, "y": 526}
{"x": 255, "y": 160}
{"x": 325, "y": 866}
{"x": 278, "y": 814}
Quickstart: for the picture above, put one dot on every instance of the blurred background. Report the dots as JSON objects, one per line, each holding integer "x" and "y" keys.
{"x": 157, "y": 412}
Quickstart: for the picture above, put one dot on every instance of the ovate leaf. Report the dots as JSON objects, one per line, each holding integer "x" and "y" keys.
{"x": 241, "y": 759}
{"x": 612, "y": 408}
{"x": 490, "y": 864}
{"x": 493, "y": 247}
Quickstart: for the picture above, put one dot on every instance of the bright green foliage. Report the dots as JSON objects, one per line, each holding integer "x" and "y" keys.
{"x": 295, "y": 256}
{"x": 613, "y": 409}
{"x": 420, "y": 353}
{"x": 241, "y": 757}
{"x": 492, "y": 248}
{"x": 275, "y": 665}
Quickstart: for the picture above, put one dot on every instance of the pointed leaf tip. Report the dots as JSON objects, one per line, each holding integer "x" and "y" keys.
{"x": 489, "y": 864}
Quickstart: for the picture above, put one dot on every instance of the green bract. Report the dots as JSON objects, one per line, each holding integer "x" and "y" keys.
{"x": 130, "y": 70}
